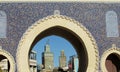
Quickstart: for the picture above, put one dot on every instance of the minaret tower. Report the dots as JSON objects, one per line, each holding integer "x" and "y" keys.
{"x": 47, "y": 57}
{"x": 62, "y": 59}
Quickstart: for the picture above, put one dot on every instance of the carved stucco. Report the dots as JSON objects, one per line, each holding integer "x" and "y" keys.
{"x": 51, "y": 21}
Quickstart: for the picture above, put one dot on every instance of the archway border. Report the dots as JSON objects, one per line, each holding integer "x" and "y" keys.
{"x": 10, "y": 58}
{"x": 111, "y": 50}
{"x": 51, "y": 21}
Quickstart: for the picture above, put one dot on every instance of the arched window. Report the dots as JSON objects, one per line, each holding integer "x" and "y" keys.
{"x": 112, "y": 24}
{"x": 3, "y": 24}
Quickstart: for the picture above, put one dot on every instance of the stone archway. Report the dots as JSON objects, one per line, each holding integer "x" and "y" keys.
{"x": 6, "y": 55}
{"x": 65, "y": 27}
{"x": 110, "y": 60}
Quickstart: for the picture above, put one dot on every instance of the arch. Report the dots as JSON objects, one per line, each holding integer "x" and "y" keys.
{"x": 7, "y": 55}
{"x": 53, "y": 23}
{"x": 114, "y": 51}
{"x": 112, "y": 24}
{"x": 3, "y": 24}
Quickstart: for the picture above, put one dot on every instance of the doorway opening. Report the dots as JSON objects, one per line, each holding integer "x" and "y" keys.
{"x": 71, "y": 30}
{"x": 113, "y": 63}
{"x": 72, "y": 38}
{"x": 64, "y": 55}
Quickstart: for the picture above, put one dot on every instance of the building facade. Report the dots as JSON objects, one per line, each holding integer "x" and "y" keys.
{"x": 48, "y": 59}
{"x": 73, "y": 64}
{"x": 4, "y": 65}
{"x": 33, "y": 61}
{"x": 62, "y": 59}
{"x": 92, "y": 28}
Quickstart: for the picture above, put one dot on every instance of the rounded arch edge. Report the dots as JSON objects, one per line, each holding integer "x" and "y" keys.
{"x": 112, "y": 50}
{"x": 53, "y": 17}
{"x": 10, "y": 59}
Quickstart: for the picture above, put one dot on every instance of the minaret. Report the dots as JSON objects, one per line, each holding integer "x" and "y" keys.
{"x": 47, "y": 57}
{"x": 47, "y": 47}
{"x": 62, "y": 59}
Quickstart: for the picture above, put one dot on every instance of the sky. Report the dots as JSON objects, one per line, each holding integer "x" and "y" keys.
{"x": 56, "y": 45}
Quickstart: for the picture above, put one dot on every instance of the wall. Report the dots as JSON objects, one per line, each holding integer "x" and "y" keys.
{"x": 92, "y": 15}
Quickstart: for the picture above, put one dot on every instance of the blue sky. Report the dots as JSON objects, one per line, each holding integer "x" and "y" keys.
{"x": 56, "y": 45}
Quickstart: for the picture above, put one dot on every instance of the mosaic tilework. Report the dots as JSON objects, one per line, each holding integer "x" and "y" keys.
{"x": 92, "y": 15}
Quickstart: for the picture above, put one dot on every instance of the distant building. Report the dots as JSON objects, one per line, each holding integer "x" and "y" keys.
{"x": 73, "y": 64}
{"x": 33, "y": 62}
{"x": 62, "y": 59}
{"x": 4, "y": 65}
{"x": 47, "y": 58}
{"x": 40, "y": 67}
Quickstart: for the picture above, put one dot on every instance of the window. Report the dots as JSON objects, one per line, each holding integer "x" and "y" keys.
{"x": 112, "y": 24}
{"x": 3, "y": 23}
{"x": 33, "y": 55}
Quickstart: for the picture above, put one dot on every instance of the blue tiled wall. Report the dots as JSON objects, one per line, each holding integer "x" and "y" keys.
{"x": 92, "y": 15}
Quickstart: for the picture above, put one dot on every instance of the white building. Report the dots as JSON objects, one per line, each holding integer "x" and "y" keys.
{"x": 33, "y": 62}
{"x": 4, "y": 65}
